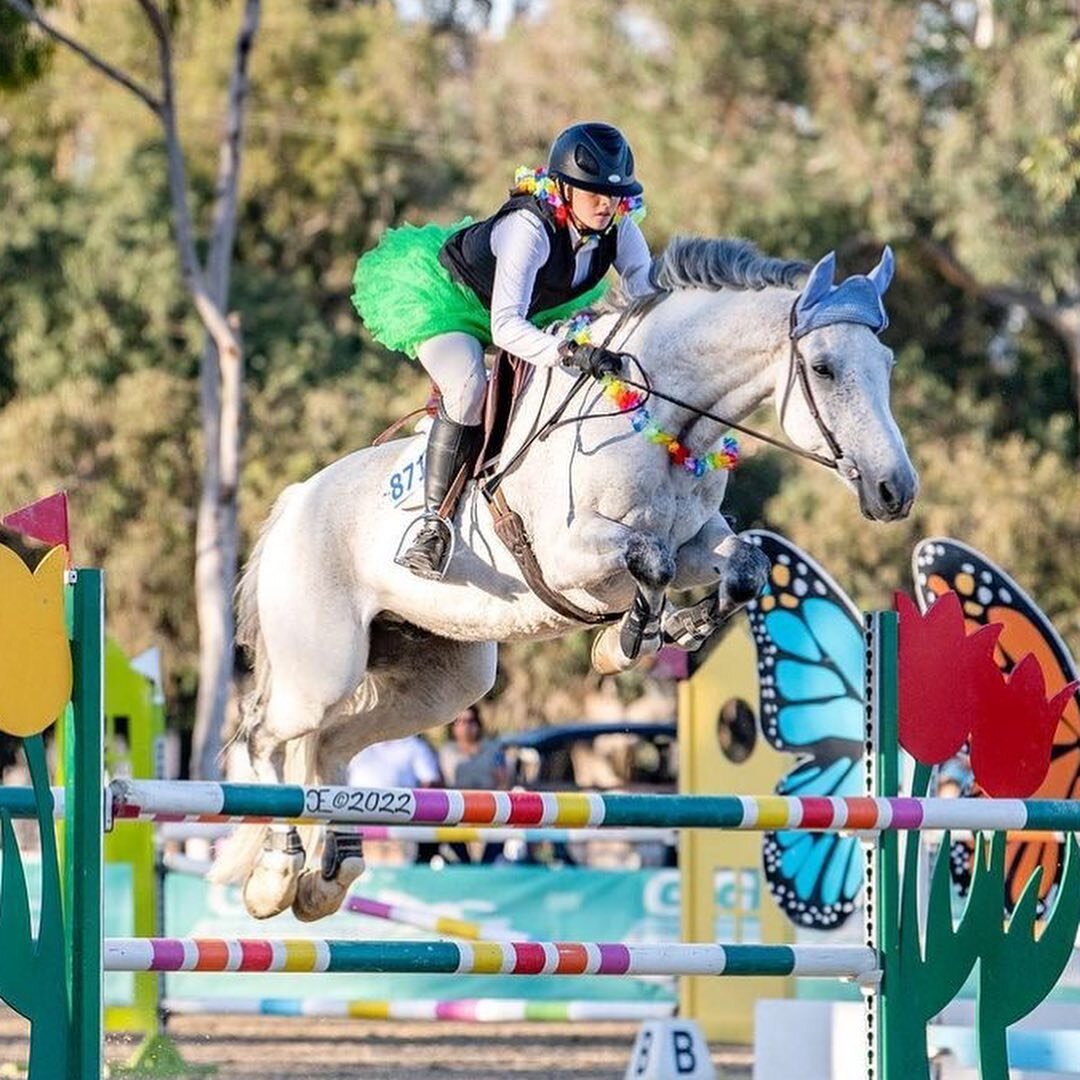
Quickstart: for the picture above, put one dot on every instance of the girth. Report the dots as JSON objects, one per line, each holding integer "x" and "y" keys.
{"x": 510, "y": 529}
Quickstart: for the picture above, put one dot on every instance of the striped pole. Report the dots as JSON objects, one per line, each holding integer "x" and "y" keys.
{"x": 425, "y": 918}
{"x": 487, "y": 958}
{"x": 469, "y": 1010}
{"x": 164, "y": 800}
{"x": 450, "y": 834}
{"x": 19, "y": 802}
{"x": 464, "y": 834}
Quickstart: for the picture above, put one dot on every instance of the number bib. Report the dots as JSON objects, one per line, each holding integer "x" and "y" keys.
{"x": 405, "y": 482}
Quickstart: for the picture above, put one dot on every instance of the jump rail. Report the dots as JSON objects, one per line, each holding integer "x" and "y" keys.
{"x": 187, "y": 801}
{"x": 856, "y": 962}
{"x": 472, "y": 1010}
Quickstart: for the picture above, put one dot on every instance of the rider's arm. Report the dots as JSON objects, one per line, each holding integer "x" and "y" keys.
{"x": 520, "y": 245}
{"x": 632, "y": 259}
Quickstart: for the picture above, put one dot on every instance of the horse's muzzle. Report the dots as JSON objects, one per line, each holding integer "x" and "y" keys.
{"x": 888, "y": 497}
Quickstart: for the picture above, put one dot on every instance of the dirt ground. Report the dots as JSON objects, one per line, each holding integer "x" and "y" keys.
{"x": 273, "y": 1048}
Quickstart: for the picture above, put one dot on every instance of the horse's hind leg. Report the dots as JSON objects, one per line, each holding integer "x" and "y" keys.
{"x": 311, "y": 684}
{"x": 414, "y": 681}
{"x": 321, "y": 886}
{"x": 270, "y": 886}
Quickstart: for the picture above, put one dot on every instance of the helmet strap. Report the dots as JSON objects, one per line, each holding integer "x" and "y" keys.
{"x": 578, "y": 224}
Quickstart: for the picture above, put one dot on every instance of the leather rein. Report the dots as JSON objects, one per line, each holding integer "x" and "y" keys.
{"x": 511, "y": 529}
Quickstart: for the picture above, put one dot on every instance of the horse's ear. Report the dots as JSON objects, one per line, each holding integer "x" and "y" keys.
{"x": 819, "y": 283}
{"x": 882, "y": 274}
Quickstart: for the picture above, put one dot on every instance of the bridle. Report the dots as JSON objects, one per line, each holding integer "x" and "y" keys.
{"x": 797, "y": 370}
{"x": 508, "y": 524}
{"x": 797, "y": 374}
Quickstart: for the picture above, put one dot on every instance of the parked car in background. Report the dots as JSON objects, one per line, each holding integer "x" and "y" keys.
{"x": 594, "y": 756}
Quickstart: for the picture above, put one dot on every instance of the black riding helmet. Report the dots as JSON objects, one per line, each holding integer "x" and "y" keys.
{"x": 595, "y": 157}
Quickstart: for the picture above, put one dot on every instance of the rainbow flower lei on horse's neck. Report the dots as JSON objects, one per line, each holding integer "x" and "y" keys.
{"x": 629, "y": 400}
{"x": 537, "y": 183}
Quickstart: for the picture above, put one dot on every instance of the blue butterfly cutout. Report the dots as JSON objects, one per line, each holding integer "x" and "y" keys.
{"x": 810, "y": 655}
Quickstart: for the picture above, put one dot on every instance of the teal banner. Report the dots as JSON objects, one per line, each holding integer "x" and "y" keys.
{"x": 527, "y": 902}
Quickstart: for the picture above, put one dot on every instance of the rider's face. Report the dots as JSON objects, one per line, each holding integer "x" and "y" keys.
{"x": 592, "y": 210}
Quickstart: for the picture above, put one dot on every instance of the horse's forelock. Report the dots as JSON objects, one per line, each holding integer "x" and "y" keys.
{"x": 697, "y": 262}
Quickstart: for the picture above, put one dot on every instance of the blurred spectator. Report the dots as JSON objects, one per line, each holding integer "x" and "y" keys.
{"x": 954, "y": 778}
{"x": 407, "y": 763}
{"x": 470, "y": 760}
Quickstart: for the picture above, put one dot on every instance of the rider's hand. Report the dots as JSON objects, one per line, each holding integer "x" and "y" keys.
{"x": 593, "y": 360}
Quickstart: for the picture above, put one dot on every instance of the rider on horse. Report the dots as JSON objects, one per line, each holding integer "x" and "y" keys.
{"x": 442, "y": 294}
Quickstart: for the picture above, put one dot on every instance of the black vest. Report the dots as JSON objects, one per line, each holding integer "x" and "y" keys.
{"x": 468, "y": 257}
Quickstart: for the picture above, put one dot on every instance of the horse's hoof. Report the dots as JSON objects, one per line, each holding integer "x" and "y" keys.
{"x": 608, "y": 657}
{"x": 271, "y": 885}
{"x": 317, "y": 897}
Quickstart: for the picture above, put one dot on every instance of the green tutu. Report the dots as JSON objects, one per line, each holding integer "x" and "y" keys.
{"x": 406, "y": 296}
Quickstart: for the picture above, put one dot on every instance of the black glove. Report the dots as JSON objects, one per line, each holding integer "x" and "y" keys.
{"x": 593, "y": 360}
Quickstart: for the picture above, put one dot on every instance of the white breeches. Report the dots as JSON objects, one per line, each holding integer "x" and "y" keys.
{"x": 455, "y": 361}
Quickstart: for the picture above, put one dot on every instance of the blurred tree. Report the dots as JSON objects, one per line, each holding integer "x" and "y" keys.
{"x": 206, "y": 280}
{"x": 949, "y": 129}
{"x": 948, "y": 122}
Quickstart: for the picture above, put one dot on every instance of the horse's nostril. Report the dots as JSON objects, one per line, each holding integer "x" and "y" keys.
{"x": 888, "y": 496}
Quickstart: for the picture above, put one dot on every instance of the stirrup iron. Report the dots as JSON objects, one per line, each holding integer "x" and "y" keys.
{"x": 408, "y": 540}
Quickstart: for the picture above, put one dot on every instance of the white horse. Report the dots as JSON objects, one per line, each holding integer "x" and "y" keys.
{"x": 351, "y": 649}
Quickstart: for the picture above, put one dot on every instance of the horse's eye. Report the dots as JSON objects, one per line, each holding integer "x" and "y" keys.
{"x": 824, "y": 370}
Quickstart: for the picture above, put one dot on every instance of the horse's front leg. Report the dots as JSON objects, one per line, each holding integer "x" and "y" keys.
{"x": 598, "y": 548}
{"x": 715, "y": 555}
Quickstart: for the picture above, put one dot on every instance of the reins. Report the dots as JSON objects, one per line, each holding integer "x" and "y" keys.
{"x": 508, "y": 524}
{"x": 636, "y": 311}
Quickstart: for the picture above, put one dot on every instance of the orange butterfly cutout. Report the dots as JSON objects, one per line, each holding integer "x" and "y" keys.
{"x": 989, "y": 595}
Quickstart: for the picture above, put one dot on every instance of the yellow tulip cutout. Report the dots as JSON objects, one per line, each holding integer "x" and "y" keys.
{"x": 35, "y": 656}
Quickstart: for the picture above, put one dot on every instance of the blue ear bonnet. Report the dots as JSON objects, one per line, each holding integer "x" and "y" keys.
{"x": 857, "y": 299}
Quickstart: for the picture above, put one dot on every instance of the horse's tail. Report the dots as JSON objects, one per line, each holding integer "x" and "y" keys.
{"x": 238, "y": 855}
{"x": 248, "y": 629}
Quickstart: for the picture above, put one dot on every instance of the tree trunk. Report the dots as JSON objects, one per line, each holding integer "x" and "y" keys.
{"x": 221, "y": 372}
{"x": 220, "y": 400}
{"x": 1069, "y": 329}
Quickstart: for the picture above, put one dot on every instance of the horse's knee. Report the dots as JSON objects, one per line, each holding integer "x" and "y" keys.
{"x": 743, "y": 573}
{"x": 650, "y": 562}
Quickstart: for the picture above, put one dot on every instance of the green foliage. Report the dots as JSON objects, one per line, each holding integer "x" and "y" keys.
{"x": 832, "y": 125}
{"x": 23, "y": 56}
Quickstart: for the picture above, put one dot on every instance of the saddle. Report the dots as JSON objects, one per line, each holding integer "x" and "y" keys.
{"x": 509, "y": 377}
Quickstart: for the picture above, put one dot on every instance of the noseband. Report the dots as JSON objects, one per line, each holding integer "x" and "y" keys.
{"x": 797, "y": 372}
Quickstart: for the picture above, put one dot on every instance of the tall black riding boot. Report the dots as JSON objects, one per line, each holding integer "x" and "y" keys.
{"x": 450, "y": 446}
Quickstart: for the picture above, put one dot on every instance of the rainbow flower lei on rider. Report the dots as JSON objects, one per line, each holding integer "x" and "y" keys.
{"x": 537, "y": 183}
{"x": 629, "y": 400}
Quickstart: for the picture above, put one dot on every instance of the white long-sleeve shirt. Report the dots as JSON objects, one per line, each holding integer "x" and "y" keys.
{"x": 519, "y": 242}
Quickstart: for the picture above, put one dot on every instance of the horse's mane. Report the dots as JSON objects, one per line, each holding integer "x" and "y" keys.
{"x": 698, "y": 262}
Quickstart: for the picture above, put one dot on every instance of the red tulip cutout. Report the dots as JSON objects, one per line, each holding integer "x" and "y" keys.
{"x": 951, "y": 691}
{"x": 944, "y": 677}
{"x": 1012, "y": 739}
